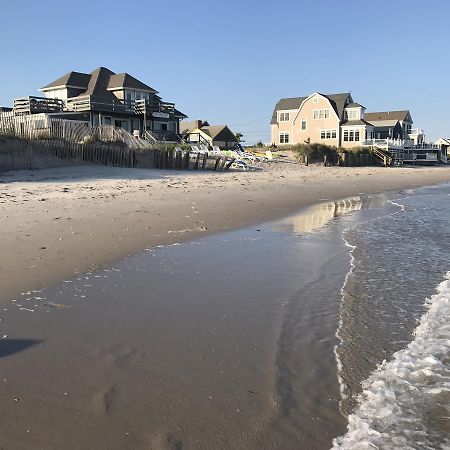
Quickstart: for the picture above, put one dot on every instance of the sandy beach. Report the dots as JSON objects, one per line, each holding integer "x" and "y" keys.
{"x": 113, "y": 339}
{"x": 58, "y": 222}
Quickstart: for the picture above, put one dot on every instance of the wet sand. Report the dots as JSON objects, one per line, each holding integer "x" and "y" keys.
{"x": 208, "y": 344}
{"x": 58, "y": 222}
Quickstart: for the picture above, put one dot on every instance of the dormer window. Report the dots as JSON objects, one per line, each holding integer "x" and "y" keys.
{"x": 284, "y": 117}
{"x": 355, "y": 111}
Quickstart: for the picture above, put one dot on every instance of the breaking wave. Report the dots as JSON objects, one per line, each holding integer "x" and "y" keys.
{"x": 405, "y": 403}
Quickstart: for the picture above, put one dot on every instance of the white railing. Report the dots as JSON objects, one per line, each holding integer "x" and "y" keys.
{"x": 385, "y": 143}
{"x": 415, "y": 131}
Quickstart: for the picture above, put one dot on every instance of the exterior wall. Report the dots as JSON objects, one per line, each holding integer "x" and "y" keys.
{"x": 362, "y": 136}
{"x": 314, "y": 126}
{"x": 57, "y": 93}
{"x": 312, "y": 134}
{"x": 283, "y": 127}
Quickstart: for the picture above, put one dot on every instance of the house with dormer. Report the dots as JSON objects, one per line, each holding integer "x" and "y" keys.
{"x": 337, "y": 120}
{"x": 103, "y": 97}
{"x": 331, "y": 119}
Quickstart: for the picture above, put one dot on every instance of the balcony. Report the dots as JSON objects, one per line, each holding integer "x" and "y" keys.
{"x": 87, "y": 103}
{"x": 36, "y": 105}
{"x": 414, "y": 131}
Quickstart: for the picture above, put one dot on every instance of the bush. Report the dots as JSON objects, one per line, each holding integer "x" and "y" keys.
{"x": 315, "y": 152}
{"x": 358, "y": 150}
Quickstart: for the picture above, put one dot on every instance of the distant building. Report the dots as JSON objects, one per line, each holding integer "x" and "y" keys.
{"x": 201, "y": 132}
{"x": 5, "y": 109}
{"x": 337, "y": 120}
{"x": 444, "y": 143}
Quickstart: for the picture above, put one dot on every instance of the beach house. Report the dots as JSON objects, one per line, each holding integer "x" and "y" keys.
{"x": 103, "y": 97}
{"x": 213, "y": 135}
{"x": 337, "y": 120}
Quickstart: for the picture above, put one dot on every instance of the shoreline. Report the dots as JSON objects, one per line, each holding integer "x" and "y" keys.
{"x": 59, "y": 222}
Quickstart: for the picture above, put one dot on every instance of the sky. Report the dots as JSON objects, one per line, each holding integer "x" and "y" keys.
{"x": 229, "y": 62}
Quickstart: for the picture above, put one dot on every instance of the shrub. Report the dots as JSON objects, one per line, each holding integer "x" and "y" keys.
{"x": 315, "y": 152}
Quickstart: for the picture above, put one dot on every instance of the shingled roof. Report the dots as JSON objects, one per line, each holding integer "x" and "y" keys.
{"x": 72, "y": 79}
{"x": 388, "y": 115}
{"x": 219, "y": 133}
{"x": 338, "y": 102}
{"x": 98, "y": 81}
{"x": 125, "y": 80}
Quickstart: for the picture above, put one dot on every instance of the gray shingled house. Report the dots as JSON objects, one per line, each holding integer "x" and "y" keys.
{"x": 103, "y": 97}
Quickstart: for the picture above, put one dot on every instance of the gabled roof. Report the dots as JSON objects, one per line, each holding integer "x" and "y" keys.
{"x": 388, "y": 115}
{"x": 219, "y": 133}
{"x": 384, "y": 123}
{"x": 74, "y": 79}
{"x": 125, "y": 80}
{"x": 338, "y": 102}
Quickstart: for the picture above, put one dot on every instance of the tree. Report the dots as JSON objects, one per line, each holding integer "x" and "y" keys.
{"x": 239, "y": 137}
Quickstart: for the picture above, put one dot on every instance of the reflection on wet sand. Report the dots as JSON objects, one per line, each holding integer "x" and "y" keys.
{"x": 317, "y": 216}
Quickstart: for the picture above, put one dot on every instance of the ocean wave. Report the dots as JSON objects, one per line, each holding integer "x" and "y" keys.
{"x": 405, "y": 403}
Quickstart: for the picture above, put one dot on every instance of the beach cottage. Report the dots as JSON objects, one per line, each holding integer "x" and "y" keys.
{"x": 103, "y": 97}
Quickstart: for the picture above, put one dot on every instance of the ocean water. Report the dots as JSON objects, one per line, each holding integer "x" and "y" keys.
{"x": 326, "y": 329}
{"x": 394, "y": 349}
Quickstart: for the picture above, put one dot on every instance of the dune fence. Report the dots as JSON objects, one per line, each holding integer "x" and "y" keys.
{"x": 24, "y": 154}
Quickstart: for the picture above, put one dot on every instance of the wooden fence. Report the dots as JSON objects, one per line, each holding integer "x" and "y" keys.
{"x": 20, "y": 154}
{"x": 43, "y": 126}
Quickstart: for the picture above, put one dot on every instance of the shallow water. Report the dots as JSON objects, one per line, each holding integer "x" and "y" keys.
{"x": 391, "y": 311}
{"x": 227, "y": 342}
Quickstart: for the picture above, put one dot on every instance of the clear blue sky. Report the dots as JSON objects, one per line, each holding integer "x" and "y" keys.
{"x": 230, "y": 61}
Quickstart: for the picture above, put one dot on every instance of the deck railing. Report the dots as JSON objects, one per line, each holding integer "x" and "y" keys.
{"x": 35, "y": 105}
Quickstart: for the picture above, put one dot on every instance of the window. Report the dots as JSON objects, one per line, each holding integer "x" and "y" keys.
{"x": 304, "y": 124}
{"x": 284, "y": 117}
{"x": 352, "y": 114}
{"x": 351, "y": 135}
{"x": 328, "y": 134}
{"x": 284, "y": 138}
{"x": 316, "y": 100}
{"x": 321, "y": 114}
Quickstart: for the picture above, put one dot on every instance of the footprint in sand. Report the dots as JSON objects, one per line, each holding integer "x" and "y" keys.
{"x": 103, "y": 400}
{"x": 166, "y": 442}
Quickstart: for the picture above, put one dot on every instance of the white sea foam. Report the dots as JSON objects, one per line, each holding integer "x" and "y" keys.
{"x": 336, "y": 353}
{"x": 403, "y": 396}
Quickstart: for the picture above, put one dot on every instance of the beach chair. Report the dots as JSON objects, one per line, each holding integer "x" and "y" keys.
{"x": 204, "y": 148}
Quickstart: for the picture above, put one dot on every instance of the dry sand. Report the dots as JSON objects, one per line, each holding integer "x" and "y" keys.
{"x": 57, "y": 222}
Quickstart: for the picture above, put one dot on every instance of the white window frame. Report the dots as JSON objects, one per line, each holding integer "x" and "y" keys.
{"x": 283, "y": 117}
{"x": 284, "y": 137}
{"x": 352, "y": 114}
{"x": 304, "y": 121}
{"x": 316, "y": 99}
{"x": 328, "y": 134}
{"x": 320, "y": 114}
{"x": 351, "y": 135}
